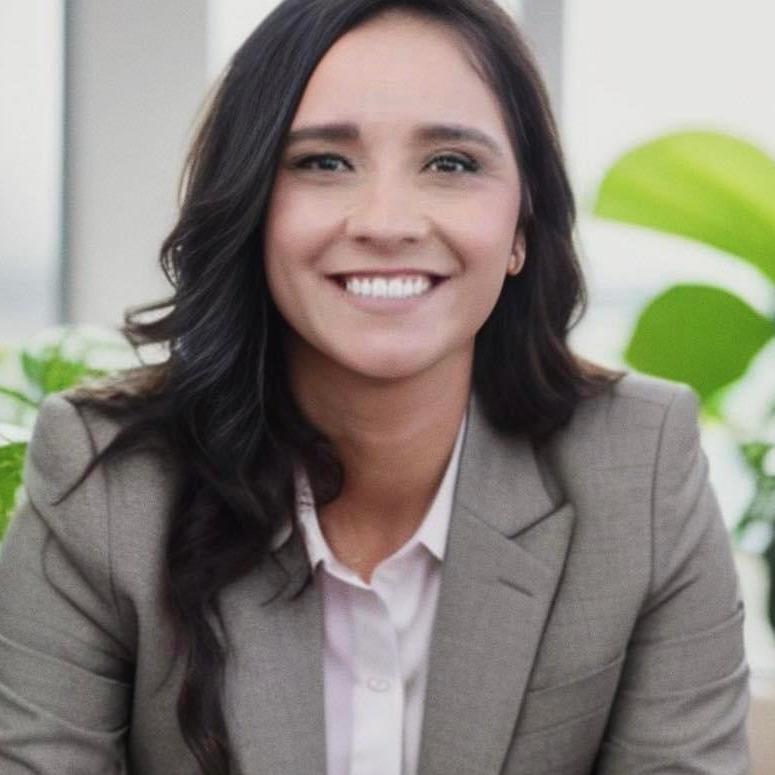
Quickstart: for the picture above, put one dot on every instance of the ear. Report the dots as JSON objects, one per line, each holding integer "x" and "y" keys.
{"x": 517, "y": 260}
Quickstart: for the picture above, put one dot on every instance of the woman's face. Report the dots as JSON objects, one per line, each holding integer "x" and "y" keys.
{"x": 377, "y": 191}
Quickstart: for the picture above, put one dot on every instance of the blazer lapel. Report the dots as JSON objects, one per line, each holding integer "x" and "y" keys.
{"x": 506, "y": 549}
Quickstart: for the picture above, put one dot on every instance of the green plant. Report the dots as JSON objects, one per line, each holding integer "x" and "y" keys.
{"x": 718, "y": 190}
{"x": 55, "y": 360}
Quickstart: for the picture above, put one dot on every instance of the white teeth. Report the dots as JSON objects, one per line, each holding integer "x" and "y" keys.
{"x": 395, "y": 288}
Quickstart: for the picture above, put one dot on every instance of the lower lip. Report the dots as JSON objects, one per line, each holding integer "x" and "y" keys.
{"x": 386, "y": 305}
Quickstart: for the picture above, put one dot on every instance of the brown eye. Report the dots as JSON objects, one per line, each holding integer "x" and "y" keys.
{"x": 455, "y": 164}
{"x": 325, "y": 162}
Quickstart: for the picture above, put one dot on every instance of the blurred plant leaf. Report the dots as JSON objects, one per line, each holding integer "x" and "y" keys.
{"x": 762, "y": 505}
{"x": 755, "y": 453}
{"x": 50, "y": 372}
{"x": 17, "y": 395}
{"x": 707, "y": 186}
{"x": 714, "y": 406}
{"x": 698, "y": 334}
{"x": 761, "y": 508}
{"x": 11, "y": 469}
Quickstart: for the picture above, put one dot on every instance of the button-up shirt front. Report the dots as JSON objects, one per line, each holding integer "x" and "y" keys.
{"x": 377, "y": 638}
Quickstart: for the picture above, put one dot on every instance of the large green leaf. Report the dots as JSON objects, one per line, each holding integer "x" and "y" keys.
{"x": 700, "y": 335}
{"x": 11, "y": 469}
{"x": 707, "y": 186}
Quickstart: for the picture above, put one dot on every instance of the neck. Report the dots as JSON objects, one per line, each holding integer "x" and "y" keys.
{"x": 393, "y": 437}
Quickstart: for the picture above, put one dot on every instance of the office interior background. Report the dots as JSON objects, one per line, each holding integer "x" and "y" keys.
{"x": 101, "y": 97}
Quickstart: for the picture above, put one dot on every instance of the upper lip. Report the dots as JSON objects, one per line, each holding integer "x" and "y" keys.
{"x": 386, "y": 272}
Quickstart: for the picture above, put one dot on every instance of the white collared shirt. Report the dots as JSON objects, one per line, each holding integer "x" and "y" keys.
{"x": 377, "y": 638}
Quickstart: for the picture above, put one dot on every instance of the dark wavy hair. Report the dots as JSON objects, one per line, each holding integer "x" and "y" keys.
{"x": 219, "y": 402}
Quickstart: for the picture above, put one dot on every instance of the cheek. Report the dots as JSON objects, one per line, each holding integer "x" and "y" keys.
{"x": 485, "y": 245}
{"x": 280, "y": 251}
{"x": 497, "y": 215}
{"x": 295, "y": 214}
{"x": 487, "y": 223}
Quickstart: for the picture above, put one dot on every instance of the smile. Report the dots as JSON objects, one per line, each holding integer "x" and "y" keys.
{"x": 401, "y": 287}
{"x": 387, "y": 293}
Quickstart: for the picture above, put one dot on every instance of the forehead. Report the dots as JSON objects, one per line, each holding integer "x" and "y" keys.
{"x": 400, "y": 67}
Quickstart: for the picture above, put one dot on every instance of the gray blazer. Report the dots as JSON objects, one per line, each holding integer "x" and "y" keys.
{"x": 588, "y": 621}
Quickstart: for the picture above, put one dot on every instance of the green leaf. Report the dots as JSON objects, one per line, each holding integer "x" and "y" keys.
{"x": 17, "y": 395}
{"x": 710, "y": 187}
{"x": 50, "y": 372}
{"x": 755, "y": 453}
{"x": 11, "y": 470}
{"x": 762, "y": 505}
{"x": 714, "y": 406}
{"x": 33, "y": 369}
{"x": 746, "y": 520}
{"x": 698, "y": 334}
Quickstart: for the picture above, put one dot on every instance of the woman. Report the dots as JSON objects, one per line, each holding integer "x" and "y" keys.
{"x": 371, "y": 515}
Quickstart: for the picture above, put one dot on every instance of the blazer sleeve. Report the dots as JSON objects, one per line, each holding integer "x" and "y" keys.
{"x": 65, "y": 670}
{"x": 683, "y": 698}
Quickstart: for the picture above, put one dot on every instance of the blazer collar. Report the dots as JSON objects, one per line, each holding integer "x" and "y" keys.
{"x": 508, "y": 538}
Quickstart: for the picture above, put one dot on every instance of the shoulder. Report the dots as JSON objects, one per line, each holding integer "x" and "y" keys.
{"x": 59, "y": 447}
{"x": 67, "y": 434}
{"x": 121, "y": 506}
{"x": 632, "y": 405}
{"x": 635, "y": 422}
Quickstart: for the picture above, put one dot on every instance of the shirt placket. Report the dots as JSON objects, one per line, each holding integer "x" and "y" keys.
{"x": 378, "y": 693}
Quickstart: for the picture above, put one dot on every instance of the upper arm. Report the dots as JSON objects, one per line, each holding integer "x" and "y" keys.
{"x": 682, "y": 701}
{"x": 65, "y": 668}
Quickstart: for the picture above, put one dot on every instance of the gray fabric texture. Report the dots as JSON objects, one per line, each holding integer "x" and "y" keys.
{"x": 589, "y": 618}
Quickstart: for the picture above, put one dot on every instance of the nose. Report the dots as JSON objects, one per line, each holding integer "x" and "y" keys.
{"x": 387, "y": 215}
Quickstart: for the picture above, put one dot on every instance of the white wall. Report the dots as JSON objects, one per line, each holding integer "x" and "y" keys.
{"x": 637, "y": 69}
{"x": 136, "y": 75}
{"x": 543, "y": 23}
{"x": 30, "y": 164}
{"x": 229, "y": 22}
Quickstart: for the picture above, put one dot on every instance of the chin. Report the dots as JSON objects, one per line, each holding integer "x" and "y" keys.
{"x": 388, "y": 367}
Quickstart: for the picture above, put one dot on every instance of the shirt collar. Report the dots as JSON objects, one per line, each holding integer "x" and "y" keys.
{"x": 432, "y": 532}
{"x": 435, "y": 526}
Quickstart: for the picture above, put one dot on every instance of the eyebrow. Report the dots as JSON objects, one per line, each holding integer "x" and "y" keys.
{"x": 425, "y": 133}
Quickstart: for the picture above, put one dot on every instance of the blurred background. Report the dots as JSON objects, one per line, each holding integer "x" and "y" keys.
{"x": 100, "y": 99}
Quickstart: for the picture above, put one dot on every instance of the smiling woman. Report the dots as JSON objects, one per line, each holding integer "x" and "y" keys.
{"x": 372, "y": 515}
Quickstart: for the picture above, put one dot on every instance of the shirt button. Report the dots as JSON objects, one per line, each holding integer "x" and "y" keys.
{"x": 378, "y": 684}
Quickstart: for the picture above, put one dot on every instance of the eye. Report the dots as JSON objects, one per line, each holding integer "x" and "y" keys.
{"x": 323, "y": 162}
{"x": 449, "y": 161}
